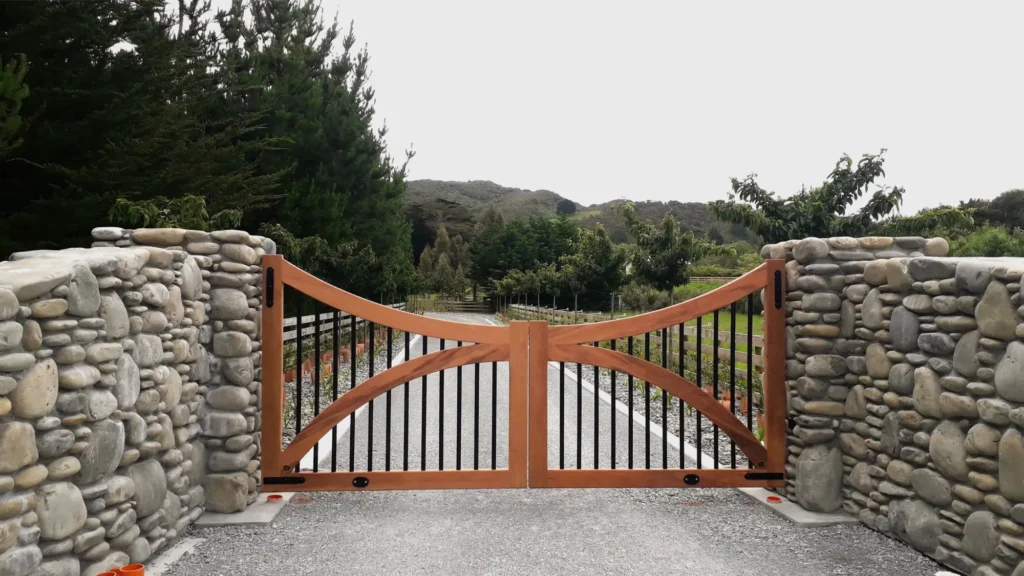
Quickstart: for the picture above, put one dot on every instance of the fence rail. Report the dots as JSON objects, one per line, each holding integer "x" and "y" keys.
{"x": 326, "y": 322}
{"x": 690, "y": 332}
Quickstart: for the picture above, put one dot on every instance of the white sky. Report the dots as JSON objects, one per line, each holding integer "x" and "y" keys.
{"x": 667, "y": 100}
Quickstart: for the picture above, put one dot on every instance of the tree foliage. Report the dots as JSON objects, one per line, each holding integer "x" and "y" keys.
{"x": 663, "y": 254}
{"x": 149, "y": 113}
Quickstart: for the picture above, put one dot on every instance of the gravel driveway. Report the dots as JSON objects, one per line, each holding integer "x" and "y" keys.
{"x": 635, "y": 531}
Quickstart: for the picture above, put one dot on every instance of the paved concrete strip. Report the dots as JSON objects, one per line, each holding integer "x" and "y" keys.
{"x": 162, "y": 563}
{"x": 260, "y": 513}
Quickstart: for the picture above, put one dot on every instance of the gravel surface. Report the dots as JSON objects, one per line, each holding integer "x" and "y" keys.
{"x": 613, "y": 531}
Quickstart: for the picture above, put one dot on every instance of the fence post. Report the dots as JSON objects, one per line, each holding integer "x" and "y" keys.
{"x": 774, "y": 365}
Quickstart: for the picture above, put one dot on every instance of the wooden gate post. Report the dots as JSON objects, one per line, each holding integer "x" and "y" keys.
{"x": 518, "y": 401}
{"x": 538, "y": 403}
{"x": 774, "y": 364}
{"x": 272, "y": 378}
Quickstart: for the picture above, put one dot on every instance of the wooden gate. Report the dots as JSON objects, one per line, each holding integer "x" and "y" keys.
{"x": 320, "y": 390}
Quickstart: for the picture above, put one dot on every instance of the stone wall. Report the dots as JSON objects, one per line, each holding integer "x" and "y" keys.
{"x": 127, "y": 405}
{"x": 906, "y": 379}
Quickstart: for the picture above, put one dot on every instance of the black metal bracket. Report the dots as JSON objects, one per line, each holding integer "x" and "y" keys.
{"x": 360, "y": 481}
{"x": 691, "y": 479}
{"x": 269, "y": 300}
{"x": 778, "y": 289}
{"x": 282, "y": 480}
{"x": 764, "y": 476}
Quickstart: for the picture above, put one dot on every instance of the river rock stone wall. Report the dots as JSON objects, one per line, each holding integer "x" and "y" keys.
{"x": 906, "y": 379}
{"x": 114, "y": 434}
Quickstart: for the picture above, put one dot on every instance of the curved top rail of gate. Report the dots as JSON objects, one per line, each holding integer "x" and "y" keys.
{"x": 670, "y": 316}
{"x": 571, "y": 344}
{"x": 337, "y": 298}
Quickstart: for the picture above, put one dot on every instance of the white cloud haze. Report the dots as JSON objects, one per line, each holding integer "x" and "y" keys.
{"x": 667, "y": 100}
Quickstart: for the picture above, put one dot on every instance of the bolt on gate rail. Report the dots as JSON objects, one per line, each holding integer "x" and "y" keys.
{"x": 338, "y": 415}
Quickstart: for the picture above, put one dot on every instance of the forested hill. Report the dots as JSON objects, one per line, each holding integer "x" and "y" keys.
{"x": 458, "y": 204}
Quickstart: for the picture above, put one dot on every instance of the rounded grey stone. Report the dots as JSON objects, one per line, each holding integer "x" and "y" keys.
{"x": 926, "y": 392}
{"x": 904, "y": 329}
{"x": 1011, "y": 465}
{"x": 994, "y": 411}
{"x": 922, "y": 269}
{"x": 916, "y": 523}
{"x": 103, "y": 453}
{"x": 947, "y": 450}
{"x": 973, "y": 275}
{"x": 931, "y": 487}
{"x": 819, "y": 478}
{"x": 17, "y": 446}
{"x": 936, "y": 343}
{"x": 980, "y": 535}
{"x": 228, "y": 304}
{"x": 150, "y": 486}
{"x": 809, "y": 249}
{"x": 60, "y": 509}
{"x": 1009, "y": 375}
{"x": 878, "y": 364}
{"x": 820, "y": 302}
{"x": 871, "y": 310}
{"x": 995, "y": 313}
{"x": 901, "y": 379}
{"x": 236, "y": 398}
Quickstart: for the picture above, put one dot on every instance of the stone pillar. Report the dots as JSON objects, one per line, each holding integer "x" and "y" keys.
{"x": 831, "y": 364}
{"x": 921, "y": 391}
{"x": 226, "y": 265}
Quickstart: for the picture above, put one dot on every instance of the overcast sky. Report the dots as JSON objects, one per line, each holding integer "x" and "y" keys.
{"x": 668, "y": 100}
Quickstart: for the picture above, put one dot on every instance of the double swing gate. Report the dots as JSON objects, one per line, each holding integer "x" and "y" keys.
{"x": 361, "y": 396}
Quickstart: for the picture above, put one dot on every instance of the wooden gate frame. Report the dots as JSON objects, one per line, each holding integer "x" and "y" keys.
{"x": 572, "y": 344}
{"x": 493, "y": 344}
{"x": 528, "y": 347}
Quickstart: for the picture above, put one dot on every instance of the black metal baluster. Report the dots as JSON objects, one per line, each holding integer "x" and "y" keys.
{"x": 405, "y": 413}
{"x": 597, "y": 411}
{"x": 579, "y": 416}
{"x": 298, "y": 366}
{"x": 334, "y": 387}
{"x": 629, "y": 383}
{"x": 351, "y": 385}
{"x": 387, "y": 407}
{"x": 423, "y": 412}
{"x": 664, "y": 400}
{"x": 458, "y": 414}
{"x": 750, "y": 367}
{"x": 476, "y": 416}
{"x": 611, "y": 346}
{"x": 732, "y": 378}
{"x": 647, "y": 404}
{"x": 494, "y": 415}
{"x": 700, "y": 384}
{"x": 370, "y": 360}
{"x": 440, "y": 418}
{"x": 714, "y": 355}
{"x": 316, "y": 378}
{"x": 679, "y": 401}
{"x": 561, "y": 415}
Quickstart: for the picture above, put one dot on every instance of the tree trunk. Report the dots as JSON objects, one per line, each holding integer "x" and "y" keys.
{"x": 575, "y": 306}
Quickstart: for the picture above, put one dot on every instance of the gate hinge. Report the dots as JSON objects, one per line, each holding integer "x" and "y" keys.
{"x": 778, "y": 289}
{"x": 269, "y": 299}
